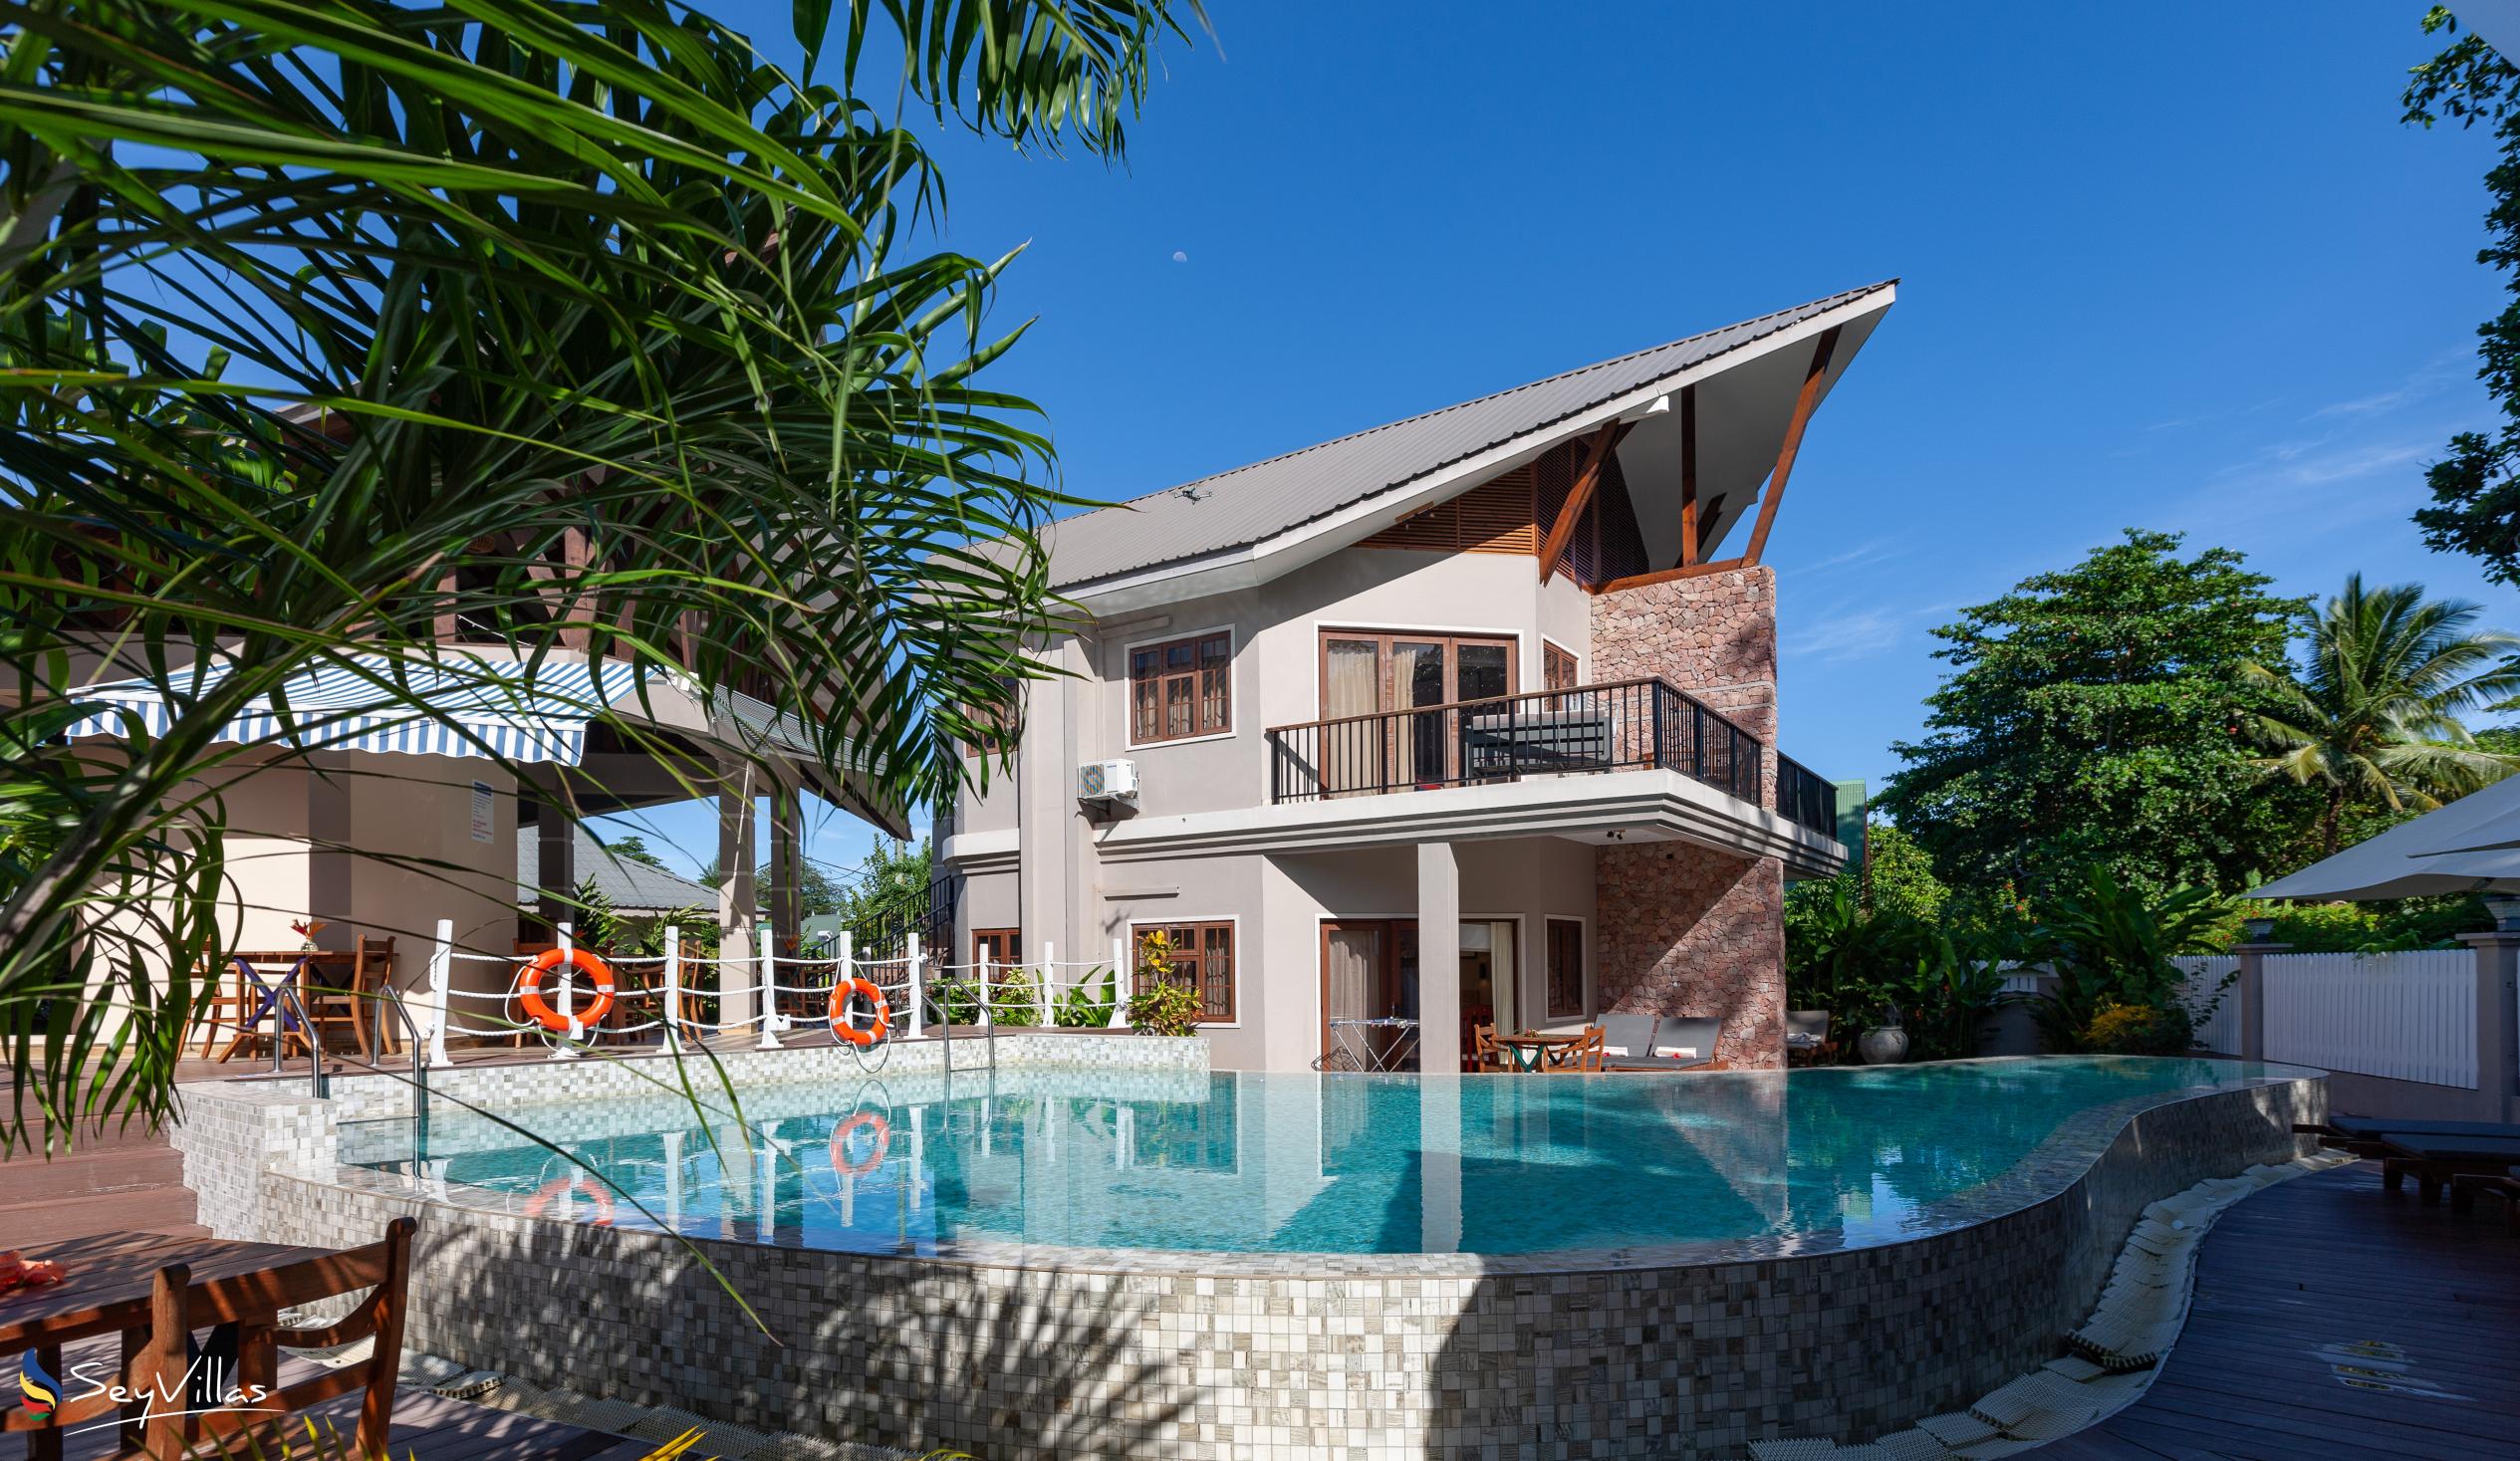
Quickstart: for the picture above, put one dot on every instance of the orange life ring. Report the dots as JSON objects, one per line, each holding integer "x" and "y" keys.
{"x": 563, "y": 1190}
{"x": 848, "y": 1128}
{"x": 843, "y": 1030}
{"x": 529, "y": 990}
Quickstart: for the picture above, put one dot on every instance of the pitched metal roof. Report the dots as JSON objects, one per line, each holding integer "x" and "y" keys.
{"x": 1251, "y": 504}
{"x": 630, "y": 885}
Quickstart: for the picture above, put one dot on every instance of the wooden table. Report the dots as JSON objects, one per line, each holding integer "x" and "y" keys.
{"x": 105, "y": 1290}
{"x": 1526, "y": 1052}
{"x": 330, "y": 969}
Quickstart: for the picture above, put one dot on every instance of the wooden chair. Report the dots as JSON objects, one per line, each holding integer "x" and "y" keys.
{"x": 157, "y": 1358}
{"x": 1583, "y": 1055}
{"x": 235, "y": 993}
{"x": 339, "y": 991}
{"x": 1485, "y": 1055}
{"x": 255, "y": 1010}
{"x": 372, "y": 973}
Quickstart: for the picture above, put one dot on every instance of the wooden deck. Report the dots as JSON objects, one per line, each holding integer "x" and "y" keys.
{"x": 2335, "y": 1320}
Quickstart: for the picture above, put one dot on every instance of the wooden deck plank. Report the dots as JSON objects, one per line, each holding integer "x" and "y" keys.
{"x": 2322, "y": 1261}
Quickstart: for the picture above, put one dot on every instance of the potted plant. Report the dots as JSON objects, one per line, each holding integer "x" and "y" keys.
{"x": 1885, "y": 1044}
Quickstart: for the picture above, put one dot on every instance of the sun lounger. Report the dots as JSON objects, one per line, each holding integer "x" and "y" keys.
{"x": 2364, "y": 1135}
{"x": 2433, "y": 1160}
{"x": 2505, "y": 1184}
{"x": 1691, "y": 1042}
{"x": 1806, "y": 1034}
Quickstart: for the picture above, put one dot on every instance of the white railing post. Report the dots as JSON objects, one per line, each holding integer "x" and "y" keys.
{"x": 568, "y": 971}
{"x": 674, "y": 988}
{"x": 983, "y": 973}
{"x": 770, "y": 1021}
{"x": 1119, "y": 981}
{"x": 441, "y": 975}
{"x": 846, "y": 970}
{"x": 1048, "y": 982}
{"x": 918, "y": 990}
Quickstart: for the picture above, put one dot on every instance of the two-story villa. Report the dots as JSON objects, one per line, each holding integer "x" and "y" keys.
{"x": 1472, "y": 716}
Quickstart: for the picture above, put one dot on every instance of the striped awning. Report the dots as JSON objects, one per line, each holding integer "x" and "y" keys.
{"x": 476, "y": 706}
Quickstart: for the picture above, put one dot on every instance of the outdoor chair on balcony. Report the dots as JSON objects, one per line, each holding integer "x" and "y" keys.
{"x": 1485, "y": 1056}
{"x": 1645, "y": 1042}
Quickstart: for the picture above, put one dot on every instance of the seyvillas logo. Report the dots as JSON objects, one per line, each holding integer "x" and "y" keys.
{"x": 38, "y": 1391}
{"x": 204, "y": 1388}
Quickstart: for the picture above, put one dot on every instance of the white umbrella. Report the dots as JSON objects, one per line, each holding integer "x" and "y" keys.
{"x": 2470, "y": 845}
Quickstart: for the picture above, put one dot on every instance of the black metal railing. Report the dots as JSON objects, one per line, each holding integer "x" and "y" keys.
{"x": 1630, "y": 725}
{"x": 1803, "y": 798}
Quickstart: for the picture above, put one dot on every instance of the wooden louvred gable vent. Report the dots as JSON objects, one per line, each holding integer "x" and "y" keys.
{"x": 1495, "y": 516}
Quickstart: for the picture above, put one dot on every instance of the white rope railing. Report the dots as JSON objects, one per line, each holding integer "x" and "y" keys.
{"x": 1031, "y": 990}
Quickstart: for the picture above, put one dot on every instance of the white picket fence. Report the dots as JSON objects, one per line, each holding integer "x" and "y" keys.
{"x": 2217, "y": 1029}
{"x": 2404, "y": 1015}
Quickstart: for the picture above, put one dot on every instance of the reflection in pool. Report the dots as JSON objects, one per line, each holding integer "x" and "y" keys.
{"x": 1303, "y": 1164}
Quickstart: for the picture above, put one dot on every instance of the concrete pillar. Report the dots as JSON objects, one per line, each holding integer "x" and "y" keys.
{"x": 1440, "y": 1158}
{"x": 2251, "y": 992}
{"x": 1438, "y": 958}
{"x": 555, "y": 863}
{"x": 787, "y": 868}
{"x": 2498, "y": 1020}
{"x": 738, "y": 901}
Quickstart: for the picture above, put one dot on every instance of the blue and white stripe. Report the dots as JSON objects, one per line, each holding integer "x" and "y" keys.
{"x": 477, "y": 706}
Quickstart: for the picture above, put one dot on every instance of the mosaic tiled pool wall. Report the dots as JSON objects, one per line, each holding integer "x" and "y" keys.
{"x": 1078, "y": 1354}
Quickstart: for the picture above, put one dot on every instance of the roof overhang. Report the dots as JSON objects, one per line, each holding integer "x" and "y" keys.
{"x": 1745, "y": 399}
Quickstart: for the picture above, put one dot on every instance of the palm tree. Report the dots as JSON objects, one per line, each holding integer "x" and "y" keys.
{"x": 339, "y": 327}
{"x": 2374, "y": 713}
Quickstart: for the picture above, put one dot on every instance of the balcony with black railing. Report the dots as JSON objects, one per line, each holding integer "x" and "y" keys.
{"x": 1630, "y": 725}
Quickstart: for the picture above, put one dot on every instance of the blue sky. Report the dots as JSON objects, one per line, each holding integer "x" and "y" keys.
{"x": 2165, "y": 266}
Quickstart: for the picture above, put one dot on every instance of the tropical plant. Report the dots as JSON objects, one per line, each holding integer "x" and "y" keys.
{"x": 1086, "y": 1004}
{"x": 2112, "y": 944}
{"x": 1946, "y": 994}
{"x": 2373, "y": 714}
{"x": 1166, "y": 1007}
{"x": 557, "y": 327}
{"x": 2094, "y": 715}
{"x": 1164, "y": 1003}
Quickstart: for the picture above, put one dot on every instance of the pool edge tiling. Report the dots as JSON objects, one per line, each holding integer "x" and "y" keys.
{"x": 1634, "y": 1352}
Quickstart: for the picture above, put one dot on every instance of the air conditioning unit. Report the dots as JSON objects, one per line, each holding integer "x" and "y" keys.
{"x": 1108, "y": 781}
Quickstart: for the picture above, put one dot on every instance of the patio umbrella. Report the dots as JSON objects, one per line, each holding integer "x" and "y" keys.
{"x": 2470, "y": 845}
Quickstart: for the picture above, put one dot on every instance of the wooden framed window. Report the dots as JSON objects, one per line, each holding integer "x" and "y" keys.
{"x": 997, "y": 945}
{"x": 1566, "y": 969}
{"x": 999, "y": 724}
{"x": 1557, "y": 667}
{"x": 1202, "y": 959}
{"x": 1181, "y": 689}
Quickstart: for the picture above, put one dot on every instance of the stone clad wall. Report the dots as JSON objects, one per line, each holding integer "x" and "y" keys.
{"x": 1686, "y": 930}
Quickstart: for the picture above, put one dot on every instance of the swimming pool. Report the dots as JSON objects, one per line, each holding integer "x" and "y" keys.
{"x": 1339, "y": 1164}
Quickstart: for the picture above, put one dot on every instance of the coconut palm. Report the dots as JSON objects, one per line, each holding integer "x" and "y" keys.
{"x": 2373, "y": 714}
{"x": 331, "y": 328}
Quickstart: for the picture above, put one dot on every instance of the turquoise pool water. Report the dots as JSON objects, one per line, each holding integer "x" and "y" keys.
{"x": 1304, "y": 1164}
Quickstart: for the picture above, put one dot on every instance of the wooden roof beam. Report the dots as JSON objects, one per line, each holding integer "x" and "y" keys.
{"x": 1589, "y": 477}
{"x": 1804, "y": 402}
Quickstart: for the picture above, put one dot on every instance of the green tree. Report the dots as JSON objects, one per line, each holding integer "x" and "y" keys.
{"x": 2095, "y": 715}
{"x": 2371, "y": 714}
{"x": 2476, "y": 486}
{"x": 634, "y": 848}
{"x": 572, "y": 328}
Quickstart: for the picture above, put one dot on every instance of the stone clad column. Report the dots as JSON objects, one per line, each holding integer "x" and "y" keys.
{"x": 1686, "y": 930}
